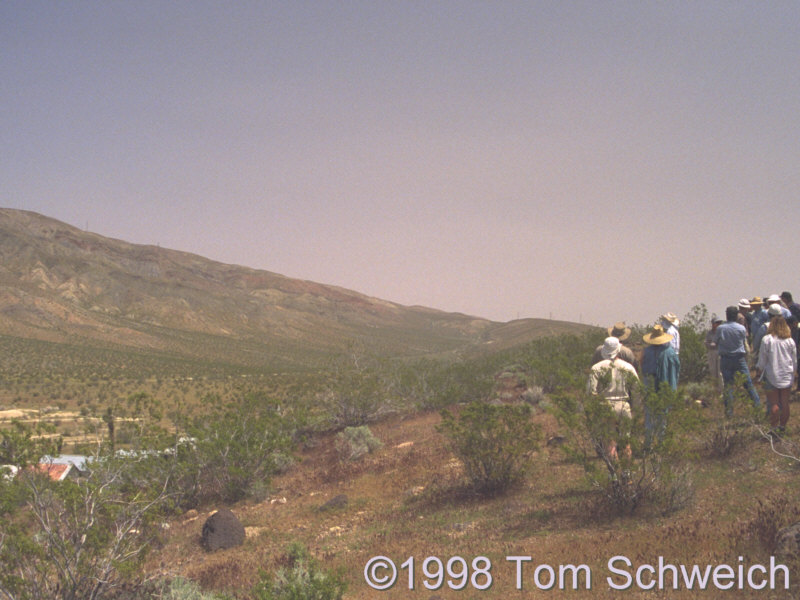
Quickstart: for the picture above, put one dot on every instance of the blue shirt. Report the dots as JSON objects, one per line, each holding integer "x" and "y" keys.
{"x": 661, "y": 364}
{"x": 759, "y": 335}
{"x": 730, "y": 339}
{"x": 759, "y": 318}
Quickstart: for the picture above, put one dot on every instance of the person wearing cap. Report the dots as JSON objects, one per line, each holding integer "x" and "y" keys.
{"x": 775, "y": 299}
{"x": 777, "y": 369}
{"x": 774, "y": 310}
{"x": 660, "y": 366}
{"x": 618, "y": 378}
{"x": 711, "y": 352}
{"x": 670, "y": 324}
{"x": 622, "y": 333}
{"x": 732, "y": 348}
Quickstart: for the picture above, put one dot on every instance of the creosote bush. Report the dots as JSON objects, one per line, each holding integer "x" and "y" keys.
{"x": 655, "y": 471}
{"x": 494, "y": 442}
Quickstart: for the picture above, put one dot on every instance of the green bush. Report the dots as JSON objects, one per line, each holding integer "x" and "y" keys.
{"x": 75, "y": 539}
{"x": 228, "y": 452}
{"x": 302, "y": 579}
{"x": 655, "y": 472}
{"x": 355, "y": 442}
{"x": 494, "y": 442}
{"x": 693, "y": 328}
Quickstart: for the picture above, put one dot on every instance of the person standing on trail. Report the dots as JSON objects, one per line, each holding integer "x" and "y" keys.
{"x": 732, "y": 348}
{"x": 712, "y": 354}
{"x": 613, "y": 379}
{"x": 622, "y": 333}
{"x": 660, "y": 366}
{"x": 670, "y": 324}
{"x": 777, "y": 369}
{"x": 791, "y": 305}
{"x": 743, "y": 317}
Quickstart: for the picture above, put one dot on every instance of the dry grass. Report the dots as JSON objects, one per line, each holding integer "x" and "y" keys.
{"x": 406, "y": 500}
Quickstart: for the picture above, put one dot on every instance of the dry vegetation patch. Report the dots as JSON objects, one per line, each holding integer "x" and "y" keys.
{"x": 404, "y": 500}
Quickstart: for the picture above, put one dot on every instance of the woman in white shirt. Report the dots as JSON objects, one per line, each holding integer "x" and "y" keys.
{"x": 777, "y": 369}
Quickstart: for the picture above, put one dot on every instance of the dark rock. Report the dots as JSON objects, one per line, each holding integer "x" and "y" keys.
{"x": 787, "y": 541}
{"x": 222, "y": 530}
{"x": 339, "y": 501}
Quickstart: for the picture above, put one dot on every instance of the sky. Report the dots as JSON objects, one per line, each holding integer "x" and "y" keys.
{"x": 583, "y": 161}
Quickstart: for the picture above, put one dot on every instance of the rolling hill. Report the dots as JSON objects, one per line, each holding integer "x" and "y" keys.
{"x": 69, "y": 288}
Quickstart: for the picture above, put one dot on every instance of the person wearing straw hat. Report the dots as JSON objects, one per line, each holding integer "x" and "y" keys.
{"x": 622, "y": 333}
{"x": 613, "y": 378}
{"x": 670, "y": 323}
{"x": 660, "y": 366}
{"x": 732, "y": 348}
{"x": 758, "y": 315}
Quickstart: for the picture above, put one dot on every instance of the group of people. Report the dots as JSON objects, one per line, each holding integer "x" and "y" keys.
{"x": 617, "y": 367}
{"x": 757, "y": 335}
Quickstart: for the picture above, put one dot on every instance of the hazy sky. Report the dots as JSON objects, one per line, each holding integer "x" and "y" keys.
{"x": 591, "y": 161}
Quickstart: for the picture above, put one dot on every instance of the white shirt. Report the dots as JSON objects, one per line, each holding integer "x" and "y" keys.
{"x": 621, "y": 373}
{"x": 777, "y": 358}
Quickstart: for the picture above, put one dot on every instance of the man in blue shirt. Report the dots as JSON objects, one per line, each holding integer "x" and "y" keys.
{"x": 731, "y": 338}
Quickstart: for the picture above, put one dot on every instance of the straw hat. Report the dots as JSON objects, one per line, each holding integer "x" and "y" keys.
{"x": 656, "y": 336}
{"x": 610, "y": 348}
{"x": 619, "y": 331}
{"x": 756, "y": 301}
{"x": 671, "y": 318}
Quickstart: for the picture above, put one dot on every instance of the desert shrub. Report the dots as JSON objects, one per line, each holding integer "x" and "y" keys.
{"x": 560, "y": 363}
{"x": 494, "y": 442}
{"x": 534, "y": 396}
{"x": 355, "y": 442}
{"x": 693, "y": 328}
{"x": 75, "y": 539}
{"x": 229, "y": 453}
{"x": 236, "y": 446}
{"x": 359, "y": 391}
{"x": 653, "y": 472}
{"x": 432, "y": 385}
{"x": 720, "y": 433}
{"x": 301, "y": 579}
{"x": 184, "y": 589}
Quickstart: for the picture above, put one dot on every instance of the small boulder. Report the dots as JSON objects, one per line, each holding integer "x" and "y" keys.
{"x": 787, "y": 541}
{"x": 222, "y": 530}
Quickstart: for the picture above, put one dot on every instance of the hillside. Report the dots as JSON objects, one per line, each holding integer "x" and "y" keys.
{"x": 401, "y": 503}
{"x": 76, "y": 289}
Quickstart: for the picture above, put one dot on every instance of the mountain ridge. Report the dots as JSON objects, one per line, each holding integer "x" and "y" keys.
{"x": 61, "y": 284}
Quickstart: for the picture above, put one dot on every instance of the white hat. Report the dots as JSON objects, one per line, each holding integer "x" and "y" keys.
{"x": 610, "y": 348}
{"x": 774, "y": 310}
{"x": 744, "y": 303}
{"x": 773, "y": 298}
